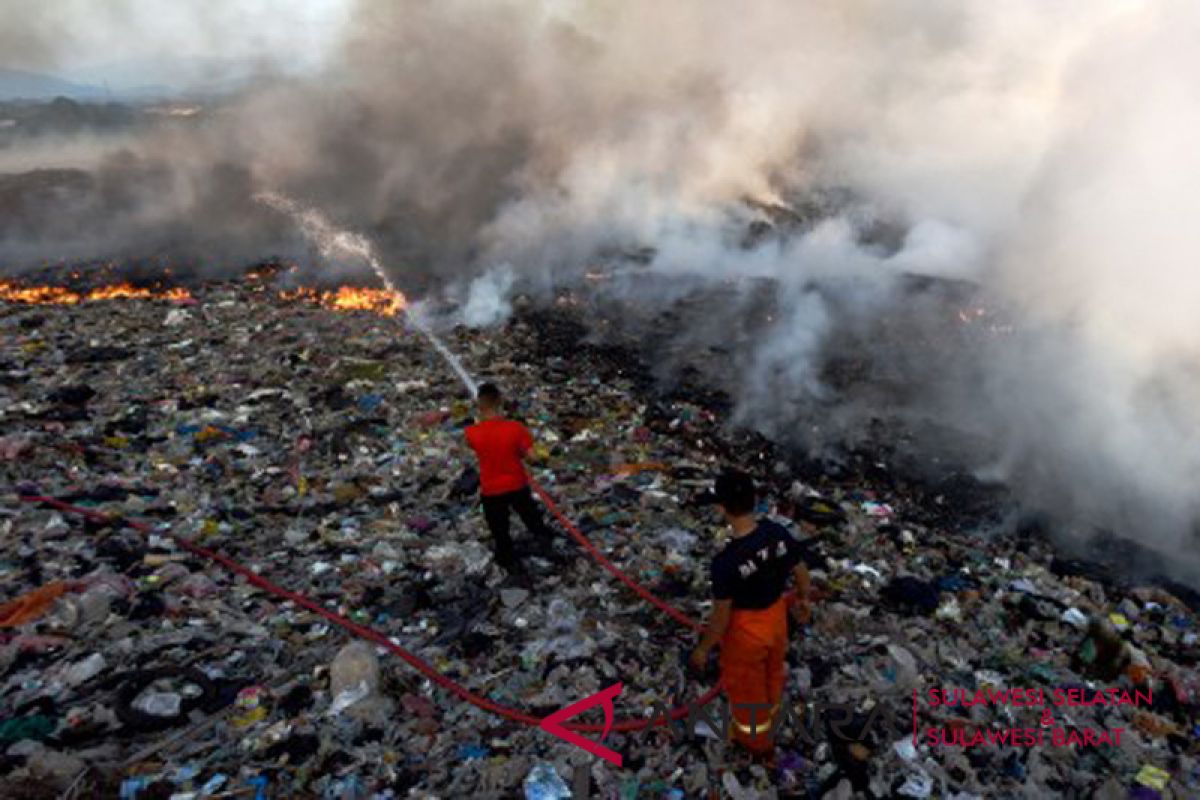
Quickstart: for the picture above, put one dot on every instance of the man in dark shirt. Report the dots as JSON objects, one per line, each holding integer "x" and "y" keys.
{"x": 502, "y": 446}
{"x": 750, "y": 610}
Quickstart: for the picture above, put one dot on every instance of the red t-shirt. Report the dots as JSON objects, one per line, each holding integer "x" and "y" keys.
{"x": 500, "y": 445}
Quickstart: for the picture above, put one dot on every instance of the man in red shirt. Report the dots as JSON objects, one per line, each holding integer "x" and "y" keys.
{"x": 502, "y": 446}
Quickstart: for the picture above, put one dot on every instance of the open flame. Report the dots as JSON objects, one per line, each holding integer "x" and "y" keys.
{"x": 62, "y": 296}
{"x": 346, "y": 298}
{"x": 352, "y": 298}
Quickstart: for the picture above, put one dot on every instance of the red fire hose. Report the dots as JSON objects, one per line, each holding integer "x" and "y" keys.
{"x": 372, "y": 635}
{"x": 583, "y": 541}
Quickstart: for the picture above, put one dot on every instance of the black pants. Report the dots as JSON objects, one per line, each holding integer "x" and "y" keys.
{"x": 495, "y": 511}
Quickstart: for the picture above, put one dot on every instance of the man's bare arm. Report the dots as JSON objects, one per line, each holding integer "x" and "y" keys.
{"x": 803, "y": 581}
{"x": 718, "y": 623}
{"x": 803, "y": 607}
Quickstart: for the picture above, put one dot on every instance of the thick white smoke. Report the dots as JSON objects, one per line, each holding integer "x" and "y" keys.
{"x": 1103, "y": 386}
{"x": 1042, "y": 151}
{"x": 487, "y": 297}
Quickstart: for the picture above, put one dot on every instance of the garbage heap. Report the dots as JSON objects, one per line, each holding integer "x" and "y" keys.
{"x": 324, "y": 450}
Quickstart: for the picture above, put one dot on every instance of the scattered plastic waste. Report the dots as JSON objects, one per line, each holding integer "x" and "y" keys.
{"x": 251, "y": 706}
{"x": 323, "y": 450}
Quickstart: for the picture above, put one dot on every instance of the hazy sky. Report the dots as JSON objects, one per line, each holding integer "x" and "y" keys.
{"x": 71, "y": 36}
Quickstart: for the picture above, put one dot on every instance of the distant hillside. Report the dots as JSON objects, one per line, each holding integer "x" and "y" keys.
{"x": 16, "y": 84}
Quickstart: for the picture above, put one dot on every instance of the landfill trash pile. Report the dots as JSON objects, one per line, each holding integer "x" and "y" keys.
{"x": 321, "y": 445}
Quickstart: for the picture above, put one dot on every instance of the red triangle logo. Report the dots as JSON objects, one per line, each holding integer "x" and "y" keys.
{"x": 553, "y": 723}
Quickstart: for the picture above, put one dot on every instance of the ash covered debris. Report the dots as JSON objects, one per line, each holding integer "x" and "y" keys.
{"x": 324, "y": 450}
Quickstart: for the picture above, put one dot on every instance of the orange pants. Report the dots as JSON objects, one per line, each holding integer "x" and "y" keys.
{"x": 753, "y": 671}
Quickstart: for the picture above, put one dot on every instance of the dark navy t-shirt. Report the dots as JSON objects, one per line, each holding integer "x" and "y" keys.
{"x": 753, "y": 570}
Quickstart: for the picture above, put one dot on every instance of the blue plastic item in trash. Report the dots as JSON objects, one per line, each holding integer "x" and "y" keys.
{"x": 544, "y": 783}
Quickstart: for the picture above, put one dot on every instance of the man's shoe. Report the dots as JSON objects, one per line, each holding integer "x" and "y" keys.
{"x": 552, "y": 543}
{"x": 515, "y": 574}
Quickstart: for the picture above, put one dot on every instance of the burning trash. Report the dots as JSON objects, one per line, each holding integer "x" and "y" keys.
{"x": 350, "y": 298}
{"x": 147, "y": 665}
{"x": 14, "y": 292}
{"x": 544, "y": 400}
{"x": 345, "y": 298}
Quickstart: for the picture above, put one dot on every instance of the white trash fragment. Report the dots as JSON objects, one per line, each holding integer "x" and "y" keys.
{"x": 1073, "y": 616}
{"x": 949, "y": 610}
{"x": 176, "y": 316}
{"x": 918, "y": 785}
{"x": 348, "y": 697}
{"x": 905, "y": 749}
{"x": 158, "y": 704}
{"x": 85, "y": 670}
{"x": 866, "y": 569}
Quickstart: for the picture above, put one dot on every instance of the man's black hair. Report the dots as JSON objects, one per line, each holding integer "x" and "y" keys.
{"x": 735, "y": 491}
{"x": 489, "y": 393}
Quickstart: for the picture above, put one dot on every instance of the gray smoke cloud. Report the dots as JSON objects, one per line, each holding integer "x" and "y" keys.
{"x": 782, "y": 177}
{"x": 74, "y": 38}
